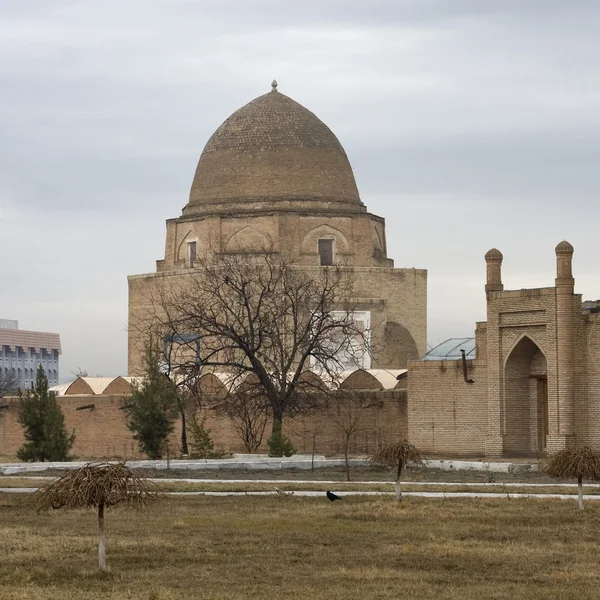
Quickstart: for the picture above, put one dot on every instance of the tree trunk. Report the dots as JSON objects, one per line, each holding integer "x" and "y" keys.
{"x": 184, "y": 444}
{"x": 346, "y": 444}
{"x": 101, "y": 547}
{"x": 277, "y": 422}
{"x": 580, "y": 491}
{"x": 398, "y": 489}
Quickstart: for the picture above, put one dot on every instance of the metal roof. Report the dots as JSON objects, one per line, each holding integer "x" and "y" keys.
{"x": 451, "y": 349}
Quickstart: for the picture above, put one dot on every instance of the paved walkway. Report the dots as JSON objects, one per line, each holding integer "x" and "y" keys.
{"x": 254, "y": 462}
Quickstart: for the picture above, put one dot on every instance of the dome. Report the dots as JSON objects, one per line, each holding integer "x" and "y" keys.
{"x": 273, "y": 154}
{"x": 493, "y": 255}
{"x": 564, "y": 248}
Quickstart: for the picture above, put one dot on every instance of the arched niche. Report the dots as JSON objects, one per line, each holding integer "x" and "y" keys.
{"x": 361, "y": 380}
{"x": 310, "y": 382}
{"x": 400, "y": 346}
{"x": 211, "y": 385}
{"x": 525, "y": 414}
{"x": 118, "y": 387}
{"x": 248, "y": 239}
{"x": 79, "y": 387}
{"x": 311, "y": 239}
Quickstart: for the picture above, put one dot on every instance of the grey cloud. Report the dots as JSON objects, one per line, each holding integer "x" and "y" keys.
{"x": 449, "y": 112}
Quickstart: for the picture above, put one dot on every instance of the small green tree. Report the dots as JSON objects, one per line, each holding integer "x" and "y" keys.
{"x": 279, "y": 444}
{"x": 152, "y": 408}
{"x": 202, "y": 443}
{"x": 43, "y": 424}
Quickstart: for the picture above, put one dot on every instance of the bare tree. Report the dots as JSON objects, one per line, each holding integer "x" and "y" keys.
{"x": 347, "y": 412}
{"x": 9, "y": 382}
{"x": 248, "y": 410}
{"x": 79, "y": 372}
{"x": 267, "y": 317}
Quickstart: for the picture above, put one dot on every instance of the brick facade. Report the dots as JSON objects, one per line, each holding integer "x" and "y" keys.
{"x": 536, "y": 375}
{"x": 275, "y": 176}
{"x": 102, "y": 432}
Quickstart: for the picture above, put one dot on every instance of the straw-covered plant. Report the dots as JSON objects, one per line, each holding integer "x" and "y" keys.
{"x": 97, "y": 486}
{"x": 574, "y": 463}
{"x": 397, "y": 455}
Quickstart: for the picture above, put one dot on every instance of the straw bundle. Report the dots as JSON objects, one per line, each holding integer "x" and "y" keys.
{"x": 397, "y": 455}
{"x": 96, "y": 484}
{"x": 574, "y": 463}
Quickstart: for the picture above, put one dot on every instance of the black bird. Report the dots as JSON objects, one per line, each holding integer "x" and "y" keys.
{"x": 332, "y": 496}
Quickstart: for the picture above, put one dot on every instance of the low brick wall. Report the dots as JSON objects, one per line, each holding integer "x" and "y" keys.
{"x": 102, "y": 432}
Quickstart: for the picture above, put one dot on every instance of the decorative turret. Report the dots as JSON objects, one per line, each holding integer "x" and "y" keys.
{"x": 564, "y": 264}
{"x": 493, "y": 260}
{"x": 564, "y": 339}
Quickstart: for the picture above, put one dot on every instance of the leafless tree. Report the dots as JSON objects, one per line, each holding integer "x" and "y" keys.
{"x": 309, "y": 428}
{"x": 79, "y": 372}
{"x": 9, "y": 382}
{"x": 248, "y": 410}
{"x": 264, "y": 316}
{"x": 347, "y": 410}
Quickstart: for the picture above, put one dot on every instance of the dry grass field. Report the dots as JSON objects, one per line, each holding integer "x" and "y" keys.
{"x": 300, "y": 548}
{"x": 314, "y": 486}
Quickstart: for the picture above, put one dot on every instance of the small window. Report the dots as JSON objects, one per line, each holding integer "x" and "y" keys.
{"x": 326, "y": 252}
{"x": 192, "y": 251}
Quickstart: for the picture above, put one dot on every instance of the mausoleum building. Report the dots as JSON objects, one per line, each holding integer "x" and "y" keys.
{"x": 274, "y": 176}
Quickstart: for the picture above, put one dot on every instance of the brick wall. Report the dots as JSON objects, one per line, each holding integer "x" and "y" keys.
{"x": 102, "y": 432}
{"x": 446, "y": 415}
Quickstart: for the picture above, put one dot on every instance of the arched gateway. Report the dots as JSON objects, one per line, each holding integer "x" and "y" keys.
{"x": 525, "y": 399}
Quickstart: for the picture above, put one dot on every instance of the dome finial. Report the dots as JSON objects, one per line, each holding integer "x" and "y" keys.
{"x": 274, "y": 85}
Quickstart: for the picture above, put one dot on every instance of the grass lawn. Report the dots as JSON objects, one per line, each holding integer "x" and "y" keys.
{"x": 296, "y": 548}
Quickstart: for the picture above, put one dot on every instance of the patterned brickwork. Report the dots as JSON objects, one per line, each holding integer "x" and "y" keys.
{"x": 270, "y": 152}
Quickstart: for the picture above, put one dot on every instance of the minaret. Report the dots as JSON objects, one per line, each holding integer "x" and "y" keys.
{"x": 494, "y": 442}
{"x": 493, "y": 261}
{"x": 564, "y": 339}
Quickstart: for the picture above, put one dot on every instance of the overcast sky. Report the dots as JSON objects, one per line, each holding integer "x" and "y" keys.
{"x": 470, "y": 124}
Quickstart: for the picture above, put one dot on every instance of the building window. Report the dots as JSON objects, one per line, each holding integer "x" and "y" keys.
{"x": 191, "y": 251}
{"x": 349, "y": 345}
{"x": 326, "y": 252}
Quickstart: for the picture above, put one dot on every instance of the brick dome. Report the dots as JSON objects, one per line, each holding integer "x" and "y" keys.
{"x": 493, "y": 255}
{"x": 564, "y": 247}
{"x": 273, "y": 154}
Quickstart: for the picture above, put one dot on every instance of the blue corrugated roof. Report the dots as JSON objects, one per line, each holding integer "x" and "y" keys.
{"x": 450, "y": 349}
